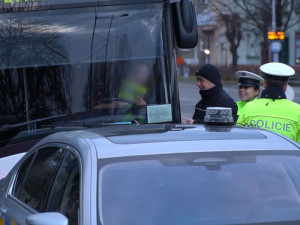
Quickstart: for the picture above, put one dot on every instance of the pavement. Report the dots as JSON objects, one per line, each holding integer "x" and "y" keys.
{"x": 189, "y": 96}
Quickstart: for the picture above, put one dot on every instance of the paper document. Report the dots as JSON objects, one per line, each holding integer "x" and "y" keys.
{"x": 159, "y": 113}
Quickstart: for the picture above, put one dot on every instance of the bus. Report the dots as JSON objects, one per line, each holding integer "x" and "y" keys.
{"x": 69, "y": 64}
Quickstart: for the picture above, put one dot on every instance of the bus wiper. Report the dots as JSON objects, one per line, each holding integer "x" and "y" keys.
{"x": 101, "y": 124}
{"x": 11, "y": 126}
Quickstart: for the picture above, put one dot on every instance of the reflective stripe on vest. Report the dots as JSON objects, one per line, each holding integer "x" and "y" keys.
{"x": 271, "y": 125}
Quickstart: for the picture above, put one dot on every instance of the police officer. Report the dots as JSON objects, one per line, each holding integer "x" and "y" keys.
{"x": 273, "y": 111}
{"x": 248, "y": 88}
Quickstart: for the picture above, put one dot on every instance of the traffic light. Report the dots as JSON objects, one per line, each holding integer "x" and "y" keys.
{"x": 279, "y": 35}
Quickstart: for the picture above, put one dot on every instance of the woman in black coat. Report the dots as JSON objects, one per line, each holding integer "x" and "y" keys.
{"x": 212, "y": 93}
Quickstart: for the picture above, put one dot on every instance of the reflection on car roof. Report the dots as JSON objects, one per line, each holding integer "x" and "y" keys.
{"x": 167, "y": 133}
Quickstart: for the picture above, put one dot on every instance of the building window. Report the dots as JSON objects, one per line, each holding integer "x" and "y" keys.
{"x": 297, "y": 45}
{"x": 252, "y": 46}
{"x": 223, "y": 50}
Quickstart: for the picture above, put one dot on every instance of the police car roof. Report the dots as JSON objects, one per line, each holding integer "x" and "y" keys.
{"x": 166, "y": 139}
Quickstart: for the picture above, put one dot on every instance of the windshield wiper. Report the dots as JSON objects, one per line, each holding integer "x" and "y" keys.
{"x": 11, "y": 126}
{"x": 98, "y": 124}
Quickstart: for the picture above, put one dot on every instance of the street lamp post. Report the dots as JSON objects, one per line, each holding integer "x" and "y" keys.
{"x": 207, "y": 53}
{"x": 275, "y": 44}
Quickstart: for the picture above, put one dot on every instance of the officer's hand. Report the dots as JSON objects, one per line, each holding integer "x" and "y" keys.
{"x": 190, "y": 121}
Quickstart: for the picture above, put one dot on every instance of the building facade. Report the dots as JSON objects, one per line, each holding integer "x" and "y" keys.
{"x": 214, "y": 48}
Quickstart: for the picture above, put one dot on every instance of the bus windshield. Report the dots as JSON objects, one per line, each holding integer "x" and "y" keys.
{"x": 104, "y": 63}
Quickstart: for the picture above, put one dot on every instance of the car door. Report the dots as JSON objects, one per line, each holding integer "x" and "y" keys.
{"x": 46, "y": 181}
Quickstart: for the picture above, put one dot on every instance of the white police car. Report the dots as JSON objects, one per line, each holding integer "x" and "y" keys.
{"x": 155, "y": 174}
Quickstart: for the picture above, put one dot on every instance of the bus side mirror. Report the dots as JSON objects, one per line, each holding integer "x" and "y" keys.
{"x": 185, "y": 23}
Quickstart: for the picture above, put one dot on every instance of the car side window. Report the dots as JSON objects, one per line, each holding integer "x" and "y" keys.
{"x": 22, "y": 175}
{"x": 35, "y": 178}
{"x": 65, "y": 194}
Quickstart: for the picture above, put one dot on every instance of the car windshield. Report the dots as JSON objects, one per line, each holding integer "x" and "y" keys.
{"x": 102, "y": 62}
{"x": 202, "y": 188}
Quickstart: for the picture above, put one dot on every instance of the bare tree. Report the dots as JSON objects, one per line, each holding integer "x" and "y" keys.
{"x": 23, "y": 47}
{"x": 257, "y": 17}
{"x": 233, "y": 25}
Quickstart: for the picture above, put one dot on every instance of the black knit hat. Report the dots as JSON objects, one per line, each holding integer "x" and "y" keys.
{"x": 211, "y": 73}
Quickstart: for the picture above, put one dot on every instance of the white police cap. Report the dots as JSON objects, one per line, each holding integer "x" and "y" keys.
{"x": 248, "y": 75}
{"x": 277, "y": 69}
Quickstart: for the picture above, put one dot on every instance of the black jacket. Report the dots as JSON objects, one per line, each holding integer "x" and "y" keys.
{"x": 215, "y": 97}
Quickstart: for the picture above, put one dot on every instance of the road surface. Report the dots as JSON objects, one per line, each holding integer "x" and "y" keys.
{"x": 189, "y": 96}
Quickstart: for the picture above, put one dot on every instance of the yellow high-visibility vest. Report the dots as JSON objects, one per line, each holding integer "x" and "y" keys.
{"x": 279, "y": 115}
{"x": 241, "y": 104}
